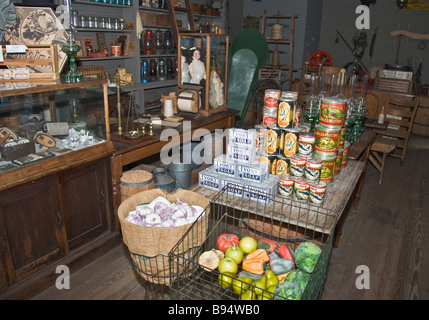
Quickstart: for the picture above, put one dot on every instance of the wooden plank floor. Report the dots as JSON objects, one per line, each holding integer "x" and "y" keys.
{"x": 388, "y": 233}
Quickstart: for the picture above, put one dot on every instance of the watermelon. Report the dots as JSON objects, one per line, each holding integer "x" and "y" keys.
{"x": 298, "y": 276}
{"x": 287, "y": 291}
{"x": 306, "y": 256}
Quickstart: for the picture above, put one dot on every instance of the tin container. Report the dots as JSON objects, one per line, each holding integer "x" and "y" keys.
{"x": 285, "y": 186}
{"x": 282, "y": 165}
{"x": 306, "y": 144}
{"x": 327, "y": 139}
{"x": 289, "y": 140}
{"x": 328, "y": 167}
{"x": 272, "y": 140}
{"x": 269, "y": 117}
{"x": 271, "y": 102}
{"x": 306, "y": 127}
{"x": 285, "y": 112}
{"x": 312, "y": 170}
{"x": 317, "y": 193}
{"x": 297, "y": 165}
{"x": 301, "y": 190}
{"x": 342, "y": 136}
{"x": 271, "y": 99}
{"x": 261, "y": 131}
{"x": 338, "y": 161}
{"x": 346, "y": 151}
{"x": 333, "y": 112}
{"x": 271, "y": 160}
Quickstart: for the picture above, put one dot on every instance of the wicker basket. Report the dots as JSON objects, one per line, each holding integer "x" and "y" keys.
{"x": 149, "y": 247}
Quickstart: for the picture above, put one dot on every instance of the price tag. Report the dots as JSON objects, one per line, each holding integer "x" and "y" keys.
{"x": 15, "y": 48}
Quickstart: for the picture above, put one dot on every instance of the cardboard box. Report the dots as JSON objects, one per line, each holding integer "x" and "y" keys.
{"x": 148, "y": 18}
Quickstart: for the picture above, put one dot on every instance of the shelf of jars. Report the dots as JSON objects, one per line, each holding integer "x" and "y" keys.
{"x": 110, "y": 3}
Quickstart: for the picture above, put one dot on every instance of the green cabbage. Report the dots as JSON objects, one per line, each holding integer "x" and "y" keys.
{"x": 306, "y": 256}
{"x": 298, "y": 276}
{"x": 287, "y": 291}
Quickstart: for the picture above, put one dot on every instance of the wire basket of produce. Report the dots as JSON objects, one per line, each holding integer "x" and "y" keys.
{"x": 275, "y": 248}
{"x": 153, "y": 221}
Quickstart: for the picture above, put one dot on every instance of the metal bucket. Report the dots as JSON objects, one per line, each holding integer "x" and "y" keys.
{"x": 182, "y": 173}
{"x": 163, "y": 180}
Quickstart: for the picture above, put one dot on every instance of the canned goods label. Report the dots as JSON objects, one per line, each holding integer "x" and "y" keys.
{"x": 327, "y": 170}
{"x": 282, "y": 166}
{"x": 272, "y": 141}
{"x": 290, "y": 141}
{"x": 346, "y": 151}
{"x": 260, "y": 138}
{"x": 326, "y": 140}
{"x": 271, "y": 160}
{"x": 271, "y": 98}
{"x": 333, "y": 112}
{"x": 338, "y": 161}
{"x": 313, "y": 169}
{"x": 301, "y": 191}
{"x": 342, "y": 137}
{"x": 306, "y": 144}
{"x": 285, "y": 112}
{"x": 285, "y": 186}
{"x": 297, "y": 165}
{"x": 317, "y": 193}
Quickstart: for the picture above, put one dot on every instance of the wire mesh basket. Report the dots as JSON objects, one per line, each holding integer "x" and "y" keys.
{"x": 282, "y": 220}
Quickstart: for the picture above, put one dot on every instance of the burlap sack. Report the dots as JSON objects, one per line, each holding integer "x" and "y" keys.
{"x": 152, "y": 241}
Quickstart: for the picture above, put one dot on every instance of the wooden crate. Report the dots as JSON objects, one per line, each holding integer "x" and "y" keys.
{"x": 36, "y": 55}
{"x": 394, "y": 85}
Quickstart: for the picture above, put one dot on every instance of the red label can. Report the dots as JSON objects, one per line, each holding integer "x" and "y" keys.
{"x": 333, "y": 112}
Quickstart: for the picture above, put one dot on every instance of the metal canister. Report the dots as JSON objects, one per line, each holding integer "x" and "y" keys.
{"x": 328, "y": 167}
{"x": 271, "y": 102}
{"x": 300, "y": 190}
{"x": 338, "y": 161}
{"x": 297, "y": 165}
{"x": 342, "y": 137}
{"x": 271, "y": 160}
{"x": 260, "y": 138}
{"x": 285, "y": 111}
{"x": 282, "y": 165}
{"x": 327, "y": 139}
{"x": 289, "y": 141}
{"x": 312, "y": 170}
{"x": 317, "y": 193}
{"x": 285, "y": 186}
{"x": 306, "y": 127}
{"x": 346, "y": 150}
{"x": 272, "y": 140}
{"x": 333, "y": 112}
{"x": 306, "y": 144}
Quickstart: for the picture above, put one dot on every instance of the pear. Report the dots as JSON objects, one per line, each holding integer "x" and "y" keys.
{"x": 272, "y": 279}
{"x": 260, "y": 285}
{"x": 248, "y": 295}
{"x": 242, "y": 285}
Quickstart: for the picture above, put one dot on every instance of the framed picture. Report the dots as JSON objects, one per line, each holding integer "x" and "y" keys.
{"x": 38, "y": 26}
{"x": 80, "y": 52}
{"x": 101, "y": 41}
{"x": 123, "y": 39}
{"x": 88, "y": 46}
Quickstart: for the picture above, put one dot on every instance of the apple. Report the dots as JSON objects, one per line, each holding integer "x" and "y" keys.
{"x": 236, "y": 253}
{"x": 248, "y": 244}
{"x": 228, "y": 265}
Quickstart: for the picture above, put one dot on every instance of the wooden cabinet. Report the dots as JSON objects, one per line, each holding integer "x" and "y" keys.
{"x": 58, "y": 210}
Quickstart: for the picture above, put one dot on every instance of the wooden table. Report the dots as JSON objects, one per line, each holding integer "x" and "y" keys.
{"x": 126, "y": 153}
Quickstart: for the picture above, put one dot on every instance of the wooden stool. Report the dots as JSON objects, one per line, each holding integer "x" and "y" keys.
{"x": 380, "y": 150}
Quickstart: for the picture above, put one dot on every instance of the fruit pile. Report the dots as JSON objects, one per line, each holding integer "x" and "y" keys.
{"x": 261, "y": 270}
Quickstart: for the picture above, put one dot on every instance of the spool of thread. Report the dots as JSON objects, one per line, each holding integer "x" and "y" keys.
{"x": 277, "y": 31}
{"x": 188, "y": 101}
{"x": 168, "y": 108}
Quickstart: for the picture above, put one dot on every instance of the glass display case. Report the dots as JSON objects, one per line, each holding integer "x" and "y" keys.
{"x": 45, "y": 120}
{"x": 203, "y": 71}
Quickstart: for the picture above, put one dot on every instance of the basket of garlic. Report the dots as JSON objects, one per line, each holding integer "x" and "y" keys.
{"x": 153, "y": 222}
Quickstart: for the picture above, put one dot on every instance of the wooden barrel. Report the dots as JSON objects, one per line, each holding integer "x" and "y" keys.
{"x": 421, "y": 122}
{"x": 135, "y": 181}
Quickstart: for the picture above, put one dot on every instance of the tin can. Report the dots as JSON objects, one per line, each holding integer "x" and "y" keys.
{"x": 306, "y": 127}
{"x": 271, "y": 160}
{"x": 282, "y": 165}
{"x": 301, "y": 190}
{"x": 342, "y": 136}
{"x": 346, "y": 151}
{"x": 271, "y": 99}
{"x": 333, "y": 112}
{"x": 327, "y": 139}
{"x": 328, "y": 167}
{"x": 272, "y": 140}
{"x": 306, "y": 144}
{"x": 269, "y": 117}
{"x": 312, "y": 170}
{"x": 261, "y": 131}
{"x": 271, "y": 102}
{"x": 338, "y": 161}
{"x": 297, "y": 165}
{"x": 285, "y": 186}
{"x": 317, "y": 193}
{"x": 289, "y": 141}
{"x": 285, "y": 112}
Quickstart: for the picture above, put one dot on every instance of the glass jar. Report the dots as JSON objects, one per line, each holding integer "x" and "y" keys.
{"x": 101, "y": 22}
{"x": 90, "y": 22}
{"x": 83, "y": 22}
{"x": 121, "y": 24}
{"x": 75, "y": 18}
{"x": 108, "y": 23}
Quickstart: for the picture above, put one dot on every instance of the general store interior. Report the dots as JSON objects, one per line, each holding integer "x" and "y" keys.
{"x": 378, "y": 202}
